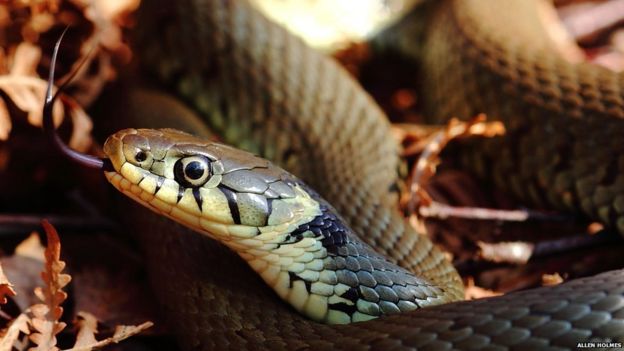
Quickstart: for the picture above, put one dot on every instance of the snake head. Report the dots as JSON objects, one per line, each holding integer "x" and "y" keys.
{"x": 213, "y": 188}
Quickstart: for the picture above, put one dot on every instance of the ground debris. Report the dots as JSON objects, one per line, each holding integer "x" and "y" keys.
{"x": 41, "y": 323}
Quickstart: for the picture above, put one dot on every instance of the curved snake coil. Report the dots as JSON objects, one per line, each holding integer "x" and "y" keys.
{"x": 564, "y": 121}
{"x": 265, "y": 91}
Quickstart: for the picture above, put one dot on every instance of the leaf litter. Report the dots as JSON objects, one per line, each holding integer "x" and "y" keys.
{"x": 21, "y": 58}
{"x": 40, "y": 324}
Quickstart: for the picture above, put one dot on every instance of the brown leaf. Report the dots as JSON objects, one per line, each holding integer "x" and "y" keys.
{"x": 82, "y": 125}
{"x": 31, "y": 248}
{"x": 122, "y": 332}
{"x": 551, "y": 279}
{"x": 46, "y": 316}
{"x": 26, "y": 90}
{"x": 5, "y": 121}
{"x": 25, "y": 60}
{"x": 87, "y": 324}
{"x": 107, "y": 18}
{"x": 41, "y": 22}
{"x": 23, "y": 64}
{"x": 24, "y": 268}
{"x": 19, "y": 325}
{"x": 27, "y": 94}
{"x": 472, "y": 292}
{"x": 6, "y": 288}
{"x": 516, "y": 252}
{"x": 426, "y": 165}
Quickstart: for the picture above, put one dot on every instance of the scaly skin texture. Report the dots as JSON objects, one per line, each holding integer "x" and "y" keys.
{"x": 316, "y": 122}
{"x": 564, "y": 121}
{"x": 266, "y": 92}
{"x": 283, "y": 229}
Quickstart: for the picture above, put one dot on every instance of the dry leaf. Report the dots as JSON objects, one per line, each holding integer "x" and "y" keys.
{"x": 82, "y": 125}
{"x": 22, "y": 343}
{"x": 472, "y": 292}
{"x": 25, "y": 60}
{"x": 19, "y": 325}
{"x": 31, "y": 248}
{"x": 122, "y": 332}
{"x": 87, "y": 324}
{"x": 26, "y": 89}
{"x": 45, "y": 330}
{"x": 23, "y": 88}
{"x": 5, "y": 121}
{"x": 551, "y": 279}
{"x": 426, "y": 165}
{"x": 24, "y": 273}
{"x": 107, "y": 17}
{"x": 24, "y": 269}
{"x": 6, "y": 288}
{"x": 46, "y": 316}
{"x": 515, "y": 252}
{"x": 41, "y": 323}
{"x": 27, "y": 94}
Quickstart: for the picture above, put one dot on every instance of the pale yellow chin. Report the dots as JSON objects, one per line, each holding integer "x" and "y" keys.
{"x": 135, "y": 192}
{"x": 220, "y": 231}
{"x": 214, "y": 217}
{"x": 261, "y": 247}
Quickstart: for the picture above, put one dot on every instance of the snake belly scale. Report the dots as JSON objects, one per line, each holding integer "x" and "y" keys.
{"x": 263, "y": 90}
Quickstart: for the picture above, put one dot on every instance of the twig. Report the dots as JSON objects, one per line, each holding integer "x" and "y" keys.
{"x": 442, "y": 211}
{"x": 429, "y": 159}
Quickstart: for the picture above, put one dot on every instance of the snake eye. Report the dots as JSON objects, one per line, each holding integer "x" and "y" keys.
{"x": 140, "y": 156}
{"x": 192, "y": 171}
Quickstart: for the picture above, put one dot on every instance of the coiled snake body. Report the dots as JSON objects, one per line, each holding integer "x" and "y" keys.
{"x": 564, "y": 121}
{"x": 263, "y": 90}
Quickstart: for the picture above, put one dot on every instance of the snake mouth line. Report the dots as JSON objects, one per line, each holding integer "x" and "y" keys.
{"x": 203, "y": 225}
{"x": 204, "y": 222}
{"x": 139, "y": 195}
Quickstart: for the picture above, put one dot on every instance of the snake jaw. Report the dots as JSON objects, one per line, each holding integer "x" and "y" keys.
{"x": 237, "y": 195}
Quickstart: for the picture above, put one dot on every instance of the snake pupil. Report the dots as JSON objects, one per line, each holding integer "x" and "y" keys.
{"x": 140, "y": 156}
{"x": 194, "y": 170}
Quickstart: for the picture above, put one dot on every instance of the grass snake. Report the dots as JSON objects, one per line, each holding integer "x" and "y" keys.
{"x": 264, "y": 91}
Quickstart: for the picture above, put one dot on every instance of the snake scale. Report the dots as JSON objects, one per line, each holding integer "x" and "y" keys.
{"x": 564, "y": 121}
{"x": 263, "y": 90}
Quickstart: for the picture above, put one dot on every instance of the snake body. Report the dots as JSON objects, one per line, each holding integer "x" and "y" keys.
{"x": 265, "y": 91}
{"x": 564, "y": 121}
